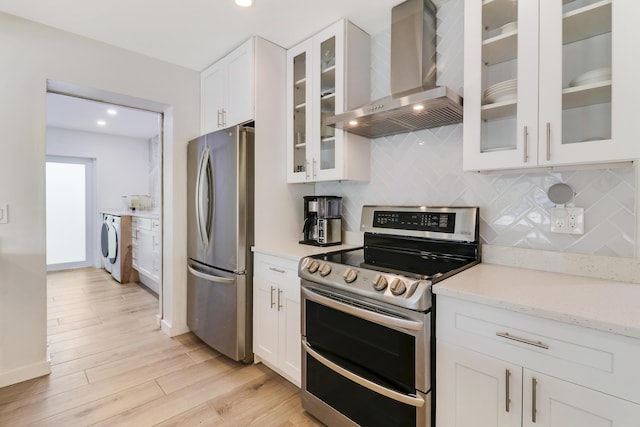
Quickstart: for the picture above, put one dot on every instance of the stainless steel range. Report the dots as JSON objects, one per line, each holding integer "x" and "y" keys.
{"x": 366, "y": 315}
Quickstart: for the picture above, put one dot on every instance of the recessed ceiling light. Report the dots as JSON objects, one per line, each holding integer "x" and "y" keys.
{"x": 244, "y": 3}
{"x": 353, "y": 122}
{"x": 112, "y": 112}
{"x": 101, "y": 122}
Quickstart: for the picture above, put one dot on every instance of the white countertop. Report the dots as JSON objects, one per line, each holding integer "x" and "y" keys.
{"x": 600, "y": 304}
{"x": 295, "y": 251}
{"x": 143, "y": 214}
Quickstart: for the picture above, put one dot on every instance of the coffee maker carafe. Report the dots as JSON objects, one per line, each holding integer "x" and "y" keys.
{"x": 322, "y": 220}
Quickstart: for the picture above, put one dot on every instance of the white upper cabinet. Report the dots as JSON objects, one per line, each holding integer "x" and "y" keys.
{"x": 549, "y": 83}
{"x": 227, "y": 90}
{"x": 326, "y": 75}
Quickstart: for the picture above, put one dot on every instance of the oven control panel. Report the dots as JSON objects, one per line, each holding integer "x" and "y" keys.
{"x": 457, "y": 224}
{"x": 387, "y": 287}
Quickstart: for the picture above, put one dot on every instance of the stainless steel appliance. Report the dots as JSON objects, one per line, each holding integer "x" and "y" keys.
{"x": 367, "y": 315}
{"x": 220, "y": 235}
{"x": 415, "y": 102}
{"x": 322, "y": 220}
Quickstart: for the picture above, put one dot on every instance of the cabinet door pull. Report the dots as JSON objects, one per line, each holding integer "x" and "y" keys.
{"x": 315, "y": 168}
{"x": 219, "y": 121}
{"x": 507, "y": 401}
{"x": 277, "y": 270}
{"x": 508, "y": 336}
{"x": 272, "y": 302}
{"x": 306, "y": 170}
{"x": 224, "y": 119}
{"x": 534, "y": 383}
{"x": 279, "y": 299}
{"x": 548, "y": 141}
{"x": 526, "y": 145}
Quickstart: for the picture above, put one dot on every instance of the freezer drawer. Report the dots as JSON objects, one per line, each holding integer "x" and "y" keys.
{"x": 218, "y": 310}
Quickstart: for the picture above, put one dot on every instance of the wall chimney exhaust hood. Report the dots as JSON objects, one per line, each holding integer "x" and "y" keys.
{"x": 415, "y": 102}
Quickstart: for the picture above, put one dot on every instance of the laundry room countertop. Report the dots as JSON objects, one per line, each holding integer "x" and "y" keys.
{"x": 143, "y": 214}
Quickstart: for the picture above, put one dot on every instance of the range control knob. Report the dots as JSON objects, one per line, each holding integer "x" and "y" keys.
{"x": 325, "y": 269}
{"x": 380, "y": 282}
{"x": 397, "y": 287}
{"x": 350, "y": 275}
{"x": 313, "y": 266}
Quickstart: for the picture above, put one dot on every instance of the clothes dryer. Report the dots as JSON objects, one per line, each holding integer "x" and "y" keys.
{"x": 108, "y": 242}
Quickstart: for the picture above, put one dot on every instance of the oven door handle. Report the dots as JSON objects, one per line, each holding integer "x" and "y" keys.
{"x": 381, "y": 319}
{"x": 391, "y": 394}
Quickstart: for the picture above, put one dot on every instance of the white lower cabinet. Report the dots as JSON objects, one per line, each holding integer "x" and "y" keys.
{"x": 496, "y": 368}
{"x": 551, "y": 402}
{"x": 472, "y": 389}
{"x": 276, "y": 315}
{"x": 147, "y": 254}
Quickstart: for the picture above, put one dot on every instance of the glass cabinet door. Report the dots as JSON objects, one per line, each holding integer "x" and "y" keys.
{"x": 577, "y": 74}
{"x": 501, "y": 46}
{"x": 327, "y": 108}
{"x": 298, "y": 116}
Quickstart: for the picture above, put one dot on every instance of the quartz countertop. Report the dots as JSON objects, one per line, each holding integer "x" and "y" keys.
{"x": 143, "y": 214}
{"x": 295, "y": 251}
{"x": 601, "y": 304}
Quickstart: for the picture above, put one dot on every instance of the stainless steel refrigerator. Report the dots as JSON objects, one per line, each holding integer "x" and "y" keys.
{"x": 220, "y": 235}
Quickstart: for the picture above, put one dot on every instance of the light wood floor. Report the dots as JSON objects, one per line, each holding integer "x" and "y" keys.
{"x": 111, "y": 365}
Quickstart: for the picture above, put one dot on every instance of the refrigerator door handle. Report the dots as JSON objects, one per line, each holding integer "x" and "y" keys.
{"x": 203, "y": 174}
{"x": 209, "y": 277}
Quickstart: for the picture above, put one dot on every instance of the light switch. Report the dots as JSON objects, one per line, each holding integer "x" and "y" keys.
{"x": 4, "y": 213}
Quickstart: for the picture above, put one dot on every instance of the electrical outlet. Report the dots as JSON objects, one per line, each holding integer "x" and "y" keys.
{"x": 567, "y": 220}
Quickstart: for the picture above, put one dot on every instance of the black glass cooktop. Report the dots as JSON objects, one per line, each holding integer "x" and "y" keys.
{"x": 420, "y": 265}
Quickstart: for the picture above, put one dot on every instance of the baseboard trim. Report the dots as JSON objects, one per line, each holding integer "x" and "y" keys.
{"x": 25, "y": 373}
{"x": 172, "y": 331}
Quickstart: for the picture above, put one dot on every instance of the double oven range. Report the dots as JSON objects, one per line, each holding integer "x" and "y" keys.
{"x": 367, "y": 315}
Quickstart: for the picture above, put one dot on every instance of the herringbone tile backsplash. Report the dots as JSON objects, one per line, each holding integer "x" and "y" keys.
{"x": 425, "y": 168}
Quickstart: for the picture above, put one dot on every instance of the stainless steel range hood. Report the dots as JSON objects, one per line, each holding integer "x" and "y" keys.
{"x": 415, "y": 102}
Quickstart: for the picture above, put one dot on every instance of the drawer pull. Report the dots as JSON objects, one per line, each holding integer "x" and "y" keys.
{"x": 522, "y": 340}
{"x": 277, "y": 270}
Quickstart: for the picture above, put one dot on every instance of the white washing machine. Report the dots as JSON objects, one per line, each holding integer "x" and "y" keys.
{"x": 116, "y": 263}
{"x": 108, "y": 242}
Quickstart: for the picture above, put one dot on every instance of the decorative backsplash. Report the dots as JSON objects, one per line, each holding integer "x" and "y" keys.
{"x": 425, "y": 168}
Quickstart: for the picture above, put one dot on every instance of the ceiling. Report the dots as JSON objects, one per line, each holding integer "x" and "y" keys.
{"x": 68, "y": 112}
{"x": 195, "y": 33}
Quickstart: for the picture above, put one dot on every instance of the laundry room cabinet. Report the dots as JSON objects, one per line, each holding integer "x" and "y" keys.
{"x": 276, "y": 319}
{"x": 327, "y": 74}
{"x": 147, "y": 251}
{"x": 500, "y": 368}
{"x": 549, "y": 83}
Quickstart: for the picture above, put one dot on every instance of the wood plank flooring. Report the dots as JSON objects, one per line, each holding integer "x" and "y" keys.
{"x": 111, "y": 365}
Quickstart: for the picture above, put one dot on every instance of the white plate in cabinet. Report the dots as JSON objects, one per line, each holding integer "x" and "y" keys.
{"x": 550, "y": 122}
{"x": 326, "y": 75}
{"x": 276, "y": 315}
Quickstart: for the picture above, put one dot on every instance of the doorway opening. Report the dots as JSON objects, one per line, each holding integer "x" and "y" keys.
{"x": 120, "y": 149}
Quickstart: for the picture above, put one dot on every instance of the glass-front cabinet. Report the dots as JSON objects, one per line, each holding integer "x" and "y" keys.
{"x": 549, "y": 83}
{"x": 322, "y": 80}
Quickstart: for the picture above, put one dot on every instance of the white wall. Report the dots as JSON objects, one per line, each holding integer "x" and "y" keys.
{"x": 29, "y": 55}
{"x": 121, "y": 166}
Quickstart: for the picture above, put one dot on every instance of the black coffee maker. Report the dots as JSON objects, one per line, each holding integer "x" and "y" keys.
{"x": 322, "y": 221}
